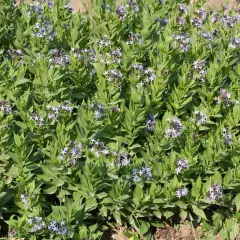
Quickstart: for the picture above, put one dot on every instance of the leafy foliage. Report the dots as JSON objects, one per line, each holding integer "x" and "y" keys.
{"x": 128, "y": 117}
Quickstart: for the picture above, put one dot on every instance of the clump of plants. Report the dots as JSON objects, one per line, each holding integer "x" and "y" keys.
{"x": 128, "y": 117}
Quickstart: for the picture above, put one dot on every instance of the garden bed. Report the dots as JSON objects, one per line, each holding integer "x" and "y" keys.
{"x": 126, "y": 118}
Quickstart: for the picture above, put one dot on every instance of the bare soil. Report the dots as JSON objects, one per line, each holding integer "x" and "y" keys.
{"x": 185, "y": 232}
{"x": 76, "y": 5}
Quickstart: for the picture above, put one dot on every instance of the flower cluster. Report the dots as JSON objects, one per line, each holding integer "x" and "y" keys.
{"x": 215, "y": 192}
{"x": 215, "y": 17}
{"x": 121, "y": 12}
{"x": 199, "y": 71}
{"x": 182, "y": 192}
{"x": 5, "y": 106}
{"x": 139, "y": 67}
{"x": 200, "y": 118}
{"x": 224, "y": 97}
{"x": 181, "y": 21}
{"x": 230, "y": 21}
{"x": 116, "y": 54}
{"x": 150, "y": 123}
{"x": 209, "y": 37}
{"x": 44, "y": 30}
{"x": 58, "y": 227}
{"x": 131, "y": 6}
{"x": 235, "y": 43}
{"x": 106, "y": 7}
{"x": 122, "y": 160}
{"x": 201, "y": 13}
{"x": 227, "y": 136}
{"x": 201, "y": 16}
{"x": 113, "y": 75}
{"x": 37, "y": 8}
{"x": 36, "y": 223}
{"x": 24, "y": 198}
{"x": 13, "y": 232}
{"x": 206, "y": 35}
{"x": 59, "y": 58}
{"x": 182, "y": 8}
{"x": 175, "y": 129}
{"x": 66, "y": 6}
{"x": 182, "y": 41}
{"x": 98, "y": 109}
{"x": 50, "y": 4}
{"x": 162, "y": 22}
{"x": 134, "y": 38}
{"x": 15, "y": 53}
{"x": 145, "y": 75}
{"x": 115, "y": 109}
{"x": 55, "y": 111}
{"x": 104, "y": 41}
{"x": 197, "y": 22}
{"x": 86, "y": 54}
{"x": 72, "y": 152}
{"x": 99, "y": 148}
{"x": 181, "y": 165}
{"x": 142, "y": 174}
{"x": 38, "y": 120}
{"x": 111, "y": 57}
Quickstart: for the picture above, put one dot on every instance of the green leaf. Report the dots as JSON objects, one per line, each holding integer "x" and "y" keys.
{"x": 51, "y": 190}
{"x": 138, "y": 192}
{"x": 236, "y": 114}
{"x": 172, "y": 159}
{"x": 13, "y": 171}
{"x": 98, "y": 67}
{"x": 112, "y": 176}
{"x": 217, "y": 177}
{"x": 157, "y": 224}
{"x": 74, "y": 33}
{"x": 21, "y": 81}
{"x": 144, "y": 226}
{"x": 237, "y": 202}
{"x": 181, "y": 204}
{"x": 120, "y": 139}
{"x": 183, "y": 215}
{"x": 158, "y": 214}
{"x": 5, "y": 196}
{"x": 58, "y": 182}
{"x": 48, "y": 173}
{"x": 168, "y": 214}
{"x": 228, "y": 177}
{"x": 117, "y": 216}
{"x": 91, "y": 204}
{"x": 17, "y": 140}
{"x": 199, "y": 212}
{"x": 232, "y": 228}
{"x": 21, "y": 124}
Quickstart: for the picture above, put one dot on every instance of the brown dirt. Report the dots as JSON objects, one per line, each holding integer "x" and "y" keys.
{"x": 214, "y": 4}
{"x": 76, "y": 5}
{"x": 185, "y": 232}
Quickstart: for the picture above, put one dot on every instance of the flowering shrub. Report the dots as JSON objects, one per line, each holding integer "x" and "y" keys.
{"x": 128, "y": 117}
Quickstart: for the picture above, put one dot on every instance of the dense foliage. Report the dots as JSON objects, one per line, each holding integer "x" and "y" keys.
{"x": 130, "y": 116}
